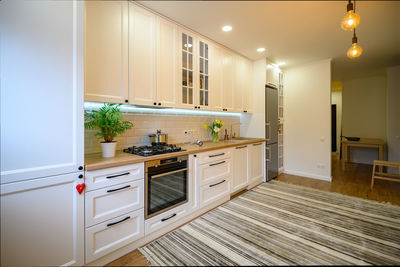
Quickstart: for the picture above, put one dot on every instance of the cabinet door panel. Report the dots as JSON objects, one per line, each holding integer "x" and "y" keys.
{"x": 142, "y": 61}
{"x": 106, "y": 51}
{"x": 248, "y": 90}
{"x": 227, "y": 80}
{"x": 256, "y": 162}
{"x": 42, "y": 222}
{"x": 239, "y": 83}
{"x": 41, "y": 88}
{"x": 240, "y": 168}
{"x": 216, "y": 78}
{"x": 167, "y": 62}
{"x": 188, "y": 70}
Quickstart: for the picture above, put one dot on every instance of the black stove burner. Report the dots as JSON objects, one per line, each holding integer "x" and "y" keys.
{"x": 152, "y": 150}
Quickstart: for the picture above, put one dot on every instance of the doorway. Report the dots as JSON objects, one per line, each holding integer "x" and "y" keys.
{"x": 333, "y": 128}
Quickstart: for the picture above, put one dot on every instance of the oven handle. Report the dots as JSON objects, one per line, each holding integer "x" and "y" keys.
{"x": 168, "y": 173}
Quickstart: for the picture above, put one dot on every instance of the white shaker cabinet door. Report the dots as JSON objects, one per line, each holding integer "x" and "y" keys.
{"x": 42, "y": 222}
{"x": 142, "y": 57}
{"x": 41, "y": 88}
{"x": 106, "y": 51}
{"x": 227, "y": 80}
{"x": 240, "y": 168}
{"x": 256, "y": 162}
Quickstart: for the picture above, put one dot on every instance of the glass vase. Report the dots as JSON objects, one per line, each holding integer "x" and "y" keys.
{"x": 215, "y": 138}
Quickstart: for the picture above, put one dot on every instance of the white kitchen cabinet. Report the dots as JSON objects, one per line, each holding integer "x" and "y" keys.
{"x": 240, "y": 168}
{"x": 212, "y": 192}
{"x": 273, "y": 75}
{"x": 142, "y": 57}
{"x": 106, "y": 51}
{"x": 106, "y": 237}
{"x": 256, "y": 162}
{"x": 166, "y": 218}
{"x": 41, "y": 88}
{"x": 248, "y": 89}
{"x": 167, "y": 63}
{"x": 107, "y": 203}
{"x": 42, "y": 222}
{"x": 227, "y": 66}
{"x": 239, "y": 85}
{"x": 203, "y": 92}
{"x": 214, "y": 171}
{"x": 216, "y": 79}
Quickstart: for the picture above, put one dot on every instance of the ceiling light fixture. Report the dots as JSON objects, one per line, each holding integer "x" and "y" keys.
{"x": 281, "y": 63}
{"x": 352, "y": 19}
{"x": 355, "y": 50}
{"x": 227, "y": 28}
{"x": 261, "y": 49}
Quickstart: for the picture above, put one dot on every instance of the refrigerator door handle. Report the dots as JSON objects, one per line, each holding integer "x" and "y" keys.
{"x": 269, "y": 154}
{"x": 268, "y": 124}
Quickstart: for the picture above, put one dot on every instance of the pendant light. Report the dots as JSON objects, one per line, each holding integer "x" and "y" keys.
{"x": 352, "y": 19}
{"x": 355, "y": 50}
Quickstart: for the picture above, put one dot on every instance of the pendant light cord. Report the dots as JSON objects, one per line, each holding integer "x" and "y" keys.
{"x": 354, "y": 6}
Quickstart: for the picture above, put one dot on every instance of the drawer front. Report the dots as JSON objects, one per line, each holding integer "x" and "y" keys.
{"x": 106, "y": 237}
{"x": 214, "y": 156}
{"x": 214, "y": 171}
{"x": 212, "y": 192}
{"x": 157, "y": 222}
{"x": 113, "y": 176}
{"x": 107, "y": 203}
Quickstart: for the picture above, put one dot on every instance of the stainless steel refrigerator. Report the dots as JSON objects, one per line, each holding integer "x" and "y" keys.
{"x": 271, "y": 131}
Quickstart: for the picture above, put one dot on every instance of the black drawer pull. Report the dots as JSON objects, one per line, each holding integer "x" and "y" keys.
{"x": 166, "y": 219}
{"x": 211, "y": 185}
{"x": 239, "y": 147}
{"x": 217, "y": 163}
{"x": 111, "y": 224}
{"x": 257, "y": 144}
{"x": 117, "y": 175}
{"x": 211, "y": 156}
{"x": 113, "y": 190}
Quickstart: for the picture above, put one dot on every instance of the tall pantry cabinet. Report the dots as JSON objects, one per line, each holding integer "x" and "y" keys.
{"x": 41, "y": 132}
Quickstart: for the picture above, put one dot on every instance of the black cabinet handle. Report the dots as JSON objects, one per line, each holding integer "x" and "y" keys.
{"x": 240, "y": 147}
{"x": 118, "y": 175}
{"x": 198, "y": 107}
{"x": 111, "y": 224}
{"x": 217, "y": 163}
{"x": 211, "y": 156}
{"x": 159, "y": 104}
{"x": 166, "y": 219}
{"x": 211, "y": 185}
{"x": 113, "y": 190}
{"x": 154, "y": 103}
{"x": 80, "y": 176}
{"x": 80, "y": 168}
{"x": 245, "y": 111}
{"x": 126, "y": 101}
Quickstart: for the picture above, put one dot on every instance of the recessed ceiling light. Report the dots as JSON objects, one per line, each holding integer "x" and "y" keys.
{"x": 261, "y": 49}
{"x": 281, "y": 63}
{"x": 227, "y": 28}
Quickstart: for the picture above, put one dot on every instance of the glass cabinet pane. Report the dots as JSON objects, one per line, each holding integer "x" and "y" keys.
{"x": 184, "y": 59}
{"x": 187, "y": 69}
{"x": 203, "y": 71}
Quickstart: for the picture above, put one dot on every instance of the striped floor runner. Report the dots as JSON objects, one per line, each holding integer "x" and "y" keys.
{"x": 281, "y": 224}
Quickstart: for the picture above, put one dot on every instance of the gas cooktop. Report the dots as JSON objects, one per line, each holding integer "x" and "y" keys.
{"x": 154, "y": 149}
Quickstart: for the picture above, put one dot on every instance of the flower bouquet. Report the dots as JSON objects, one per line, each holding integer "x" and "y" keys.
{"x": 215, "y": 127}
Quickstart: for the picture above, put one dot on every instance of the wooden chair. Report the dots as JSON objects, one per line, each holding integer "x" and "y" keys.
{"x": 379, "y": 174}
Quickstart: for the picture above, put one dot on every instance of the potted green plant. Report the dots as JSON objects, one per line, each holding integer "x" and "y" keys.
{"x": 108, "y": 121}
{"x": 215, "y": 127}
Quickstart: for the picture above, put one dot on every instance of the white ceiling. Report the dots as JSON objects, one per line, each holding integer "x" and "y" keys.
{"x": 296, "y": 32}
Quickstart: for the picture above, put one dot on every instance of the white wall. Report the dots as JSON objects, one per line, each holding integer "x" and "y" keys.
{"x": 253, "y": 124}
{"x": 393, "y": 113}
{"x": 308, "y": 120}
{"x": 364, "y": 113}
{"x": 337, "y": 100}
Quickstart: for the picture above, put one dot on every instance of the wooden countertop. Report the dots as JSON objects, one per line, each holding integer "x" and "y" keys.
{"x": 96, "y": 161}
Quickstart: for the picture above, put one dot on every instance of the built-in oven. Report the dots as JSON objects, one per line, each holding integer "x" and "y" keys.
{"x": 166, "y": 184}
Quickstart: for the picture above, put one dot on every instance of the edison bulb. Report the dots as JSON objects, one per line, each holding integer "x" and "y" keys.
{"x": 350, "y": 21}
{"x": 354, "y": 51}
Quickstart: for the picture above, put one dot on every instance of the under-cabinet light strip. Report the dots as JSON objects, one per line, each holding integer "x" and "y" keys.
{"x": 130, "y": 108}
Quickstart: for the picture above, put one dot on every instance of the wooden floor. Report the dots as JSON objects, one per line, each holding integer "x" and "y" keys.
{"x": 353, "y": 180}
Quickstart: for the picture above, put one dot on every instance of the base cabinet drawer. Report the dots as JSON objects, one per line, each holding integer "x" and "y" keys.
{"x": 213, "y": 156}
{"x": 212, "y": 192}
{"x": 113, "y": 176}
{"x": 106, "y": 237}
{"x": 213, "y": 171}
{"x": 157, "y": 222}
{"x": 107, "y": 203}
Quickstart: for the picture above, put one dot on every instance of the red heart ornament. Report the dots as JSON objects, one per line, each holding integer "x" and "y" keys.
{"x": 80, "y": 188}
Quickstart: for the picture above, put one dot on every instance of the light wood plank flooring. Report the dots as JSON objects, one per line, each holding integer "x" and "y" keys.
{"x": 352, "y": 180}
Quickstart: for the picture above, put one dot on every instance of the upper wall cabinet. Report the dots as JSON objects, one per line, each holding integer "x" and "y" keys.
{"x": 248, "y": 90}
{"x": 227, "y": 68}
{"x": 106, "y": 51}
{"x": 188, "y": 69}
{"x": 167, "y": 62}
{"x": 239, "y": 85}
{"x": 216, "y": 78}
{"x": 142, "y": 57}
{"x": 273, "y": 75}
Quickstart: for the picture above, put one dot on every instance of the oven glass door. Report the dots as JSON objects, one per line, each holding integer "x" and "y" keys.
{"x": 166, "y": 188}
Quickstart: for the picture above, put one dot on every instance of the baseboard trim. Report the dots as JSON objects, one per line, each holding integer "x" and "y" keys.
{"x": 309, "y": 175}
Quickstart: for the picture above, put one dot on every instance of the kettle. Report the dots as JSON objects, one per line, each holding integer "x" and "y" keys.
{"x": 158, "y": 138}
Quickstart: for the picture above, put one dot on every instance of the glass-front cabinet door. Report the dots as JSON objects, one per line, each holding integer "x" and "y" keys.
{"x": 203, "y": 74}
{"x": 187, "y": 60}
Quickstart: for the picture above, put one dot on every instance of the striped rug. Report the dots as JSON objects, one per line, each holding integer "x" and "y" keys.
{"x": 282, "y": 224}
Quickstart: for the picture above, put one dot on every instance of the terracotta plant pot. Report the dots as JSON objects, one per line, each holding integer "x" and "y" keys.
{"x": 108, "y": 149}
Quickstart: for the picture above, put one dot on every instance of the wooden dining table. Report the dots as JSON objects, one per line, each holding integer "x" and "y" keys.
{"x": 363, "y": 142}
